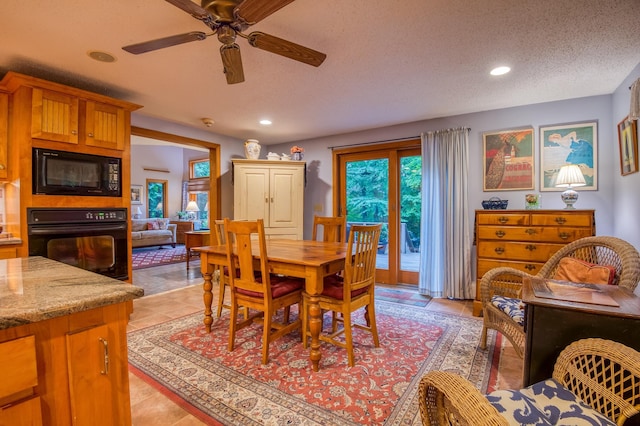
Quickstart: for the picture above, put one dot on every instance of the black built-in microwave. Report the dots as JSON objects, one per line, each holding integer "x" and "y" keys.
{"x": 74, "y": 173}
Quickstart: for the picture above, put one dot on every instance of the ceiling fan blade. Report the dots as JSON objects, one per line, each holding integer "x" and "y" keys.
{"x": 286, "y": 48}
{"x": 191, "y": 8}
{"x": 161, "y": 43}
{"x": 253, "y": 11}
{"x": 232, "y": 63}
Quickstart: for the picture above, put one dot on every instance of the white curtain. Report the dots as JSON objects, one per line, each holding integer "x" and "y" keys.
{"x": 445, "y": 242}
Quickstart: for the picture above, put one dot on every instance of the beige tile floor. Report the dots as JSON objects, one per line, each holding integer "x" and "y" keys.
{"x": 178, "y": 293}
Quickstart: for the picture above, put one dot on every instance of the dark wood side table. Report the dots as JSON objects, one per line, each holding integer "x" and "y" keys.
{"x": 182, "y": 226}
{"x": 195, "y": 239}
{"x": 551, "y": 325}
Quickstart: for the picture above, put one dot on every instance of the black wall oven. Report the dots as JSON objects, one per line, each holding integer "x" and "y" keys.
{"x": 91, "y": 238}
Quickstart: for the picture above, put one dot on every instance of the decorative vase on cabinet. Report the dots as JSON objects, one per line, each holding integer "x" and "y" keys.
{"x": 252, "y": 149}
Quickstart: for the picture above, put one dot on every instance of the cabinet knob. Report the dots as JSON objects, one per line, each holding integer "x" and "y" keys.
{"x": 530, "y": 267}
{"x": 530, "y": 247}
{"x": 503, "y": 219}
{"x": 500, "y": 234}
{"x": 560, "y": 220}
{"x": 499, "y": 250}
{"x": 531, "y": 231}
{"x": 74, "y": 132}
{"x": 564, "y": 235}
{"x": 90, "y": 135}
{"x": 2, "y": 167}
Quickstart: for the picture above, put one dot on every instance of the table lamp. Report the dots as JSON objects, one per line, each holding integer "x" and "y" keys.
{"x": 570, "y": 176}
{"x": 138, "y": 213}
{"x": 192, "y": 208}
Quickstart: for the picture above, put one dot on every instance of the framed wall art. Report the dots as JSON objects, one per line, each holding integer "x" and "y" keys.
{"x": 574, "y": 143}
{"x": 508, "y": 160}
{"x": 628, "y": 143}
{"x": 136, "y": 194}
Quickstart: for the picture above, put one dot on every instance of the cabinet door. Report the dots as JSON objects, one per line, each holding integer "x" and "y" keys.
{"x": 4, "y": 137}
{"x": 90, "y": 384}
{"x": 251, "y": 195}
{"x": 286, "y": 190}
{"x": 105, "y": 126}
{"x": 54, "y": 116}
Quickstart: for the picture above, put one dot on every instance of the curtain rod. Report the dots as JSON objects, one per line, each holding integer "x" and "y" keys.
{"x": 386, "y": 141}
{"x": 374, "y": 143}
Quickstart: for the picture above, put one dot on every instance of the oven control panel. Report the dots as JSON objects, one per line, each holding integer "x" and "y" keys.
{"x": 66, "y": 215}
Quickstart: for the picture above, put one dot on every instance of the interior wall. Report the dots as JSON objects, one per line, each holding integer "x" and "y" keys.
{"x": 626, "y": 202}
{"x": 318, "y": 154}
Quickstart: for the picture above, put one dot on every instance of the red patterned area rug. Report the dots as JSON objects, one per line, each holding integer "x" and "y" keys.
{"x": 233, "y": 388}
{"x": 147, "y": 257}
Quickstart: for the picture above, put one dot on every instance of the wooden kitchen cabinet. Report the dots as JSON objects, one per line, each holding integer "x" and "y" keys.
{"x": 524, "y": 239}
{"x": 4, "y": 135}
{"x": 81, "y": 375}
{"x": 272, "y": 191}
{"x": 66, "y": 118}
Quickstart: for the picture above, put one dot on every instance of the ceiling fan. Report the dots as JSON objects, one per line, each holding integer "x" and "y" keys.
{"x": 228, "y": 19}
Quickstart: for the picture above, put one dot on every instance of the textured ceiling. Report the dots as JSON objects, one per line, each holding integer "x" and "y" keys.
{"x": 388, "y": 62}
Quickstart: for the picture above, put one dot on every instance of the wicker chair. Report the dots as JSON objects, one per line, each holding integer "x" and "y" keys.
{"x": 603, "y": 374}
{"x": 507, "y": 282}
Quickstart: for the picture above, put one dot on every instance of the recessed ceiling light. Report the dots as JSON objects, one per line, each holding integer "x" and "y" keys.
{"x": 500, "y": 70}
{"x": 265, "y": 122}
{"x": 101, "y": 56}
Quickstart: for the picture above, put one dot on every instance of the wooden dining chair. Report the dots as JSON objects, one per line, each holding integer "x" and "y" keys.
{"x": 354, "y": 292}
{"x": 258, "y": 290}
{"x": 333, "y": 228}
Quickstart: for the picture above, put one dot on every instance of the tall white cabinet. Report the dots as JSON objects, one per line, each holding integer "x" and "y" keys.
{"x": 273, "y": 191}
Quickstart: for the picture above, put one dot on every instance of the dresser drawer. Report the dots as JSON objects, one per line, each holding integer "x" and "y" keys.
{"x": 508, "y": 219}
{"x": 485, "y": 265}
{"x": 532, "y": 233}
{"x": 562, "y": 219}
{"x": 528, "y": 251}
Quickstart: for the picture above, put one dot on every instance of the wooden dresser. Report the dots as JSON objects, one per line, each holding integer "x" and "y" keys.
{"x": 525, "y": 239}
{"x": 182, "y": 226}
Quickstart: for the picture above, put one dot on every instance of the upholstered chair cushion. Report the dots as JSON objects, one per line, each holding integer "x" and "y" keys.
{"x": 545, "y": 403}
{"x": 510, "y": 306}
{"x": 579, "y": 271}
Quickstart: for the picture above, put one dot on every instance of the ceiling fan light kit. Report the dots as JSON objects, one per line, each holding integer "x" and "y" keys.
{"x": 228, "y": 19}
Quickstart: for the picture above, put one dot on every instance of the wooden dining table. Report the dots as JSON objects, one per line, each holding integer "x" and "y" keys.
{"x": 311, "y": 260}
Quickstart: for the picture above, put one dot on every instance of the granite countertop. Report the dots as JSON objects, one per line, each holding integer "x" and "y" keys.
{"x": 36, "y": 288}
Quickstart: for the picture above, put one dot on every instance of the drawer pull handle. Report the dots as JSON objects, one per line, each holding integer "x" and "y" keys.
{"x": 74, "y": 132}
{"x": 500, "y": 234}
{"x": 531, "y": 231}
{"x": 560, "y": 220}
{"x": 530, "y": 247}
{"x": 503, "y": 219}
{"x": 90, "y": 135}
{"x": 564, "y": 235}
{"x": 105, "y": 347}
{"x": 499, "y": 250}
{"x": 530, "y": 267}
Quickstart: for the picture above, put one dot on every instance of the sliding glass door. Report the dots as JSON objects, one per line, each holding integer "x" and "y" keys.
{"x": 383, "y": 186}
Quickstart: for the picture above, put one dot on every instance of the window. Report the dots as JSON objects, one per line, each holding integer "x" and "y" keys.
{"x": 199, "y": 169}
{"x": 156, "y": 198}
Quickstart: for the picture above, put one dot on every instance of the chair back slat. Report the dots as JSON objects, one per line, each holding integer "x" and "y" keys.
{"x": 360, "y": 264}
{"x": 333, "y": 228}
{"x": 239, "y": 237}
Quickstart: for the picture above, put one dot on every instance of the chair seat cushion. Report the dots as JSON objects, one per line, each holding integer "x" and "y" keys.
{"x": 510, "y": 306}
{"x": 280, "y": 286}
{"x": 545, "y": 403}
{"x": 334, "y": 288}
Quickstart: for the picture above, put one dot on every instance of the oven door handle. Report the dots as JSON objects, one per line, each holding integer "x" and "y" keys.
{"x": 74, "y": 229}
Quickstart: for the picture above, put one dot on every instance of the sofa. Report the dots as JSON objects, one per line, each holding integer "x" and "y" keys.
{"x": 152, "y": 232}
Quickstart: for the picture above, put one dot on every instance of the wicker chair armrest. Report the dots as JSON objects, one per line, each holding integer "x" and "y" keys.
{"x": 603, "y": 373}
{"x": 502, "y": 281}
{"x": 446, "y": 398}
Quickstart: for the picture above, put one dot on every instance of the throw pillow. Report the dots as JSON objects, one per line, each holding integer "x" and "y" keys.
{"x": 579, "y": 271}
{"x": 153, "y": 225}
{"x": 163, "y": 223}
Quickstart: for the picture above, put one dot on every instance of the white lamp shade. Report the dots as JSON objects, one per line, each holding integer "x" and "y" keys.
{"x": 570, "y": 176}
{"x": 138, "y": 210}
{"x": 206, "y": 207}
{"x": 192, "y": 207}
